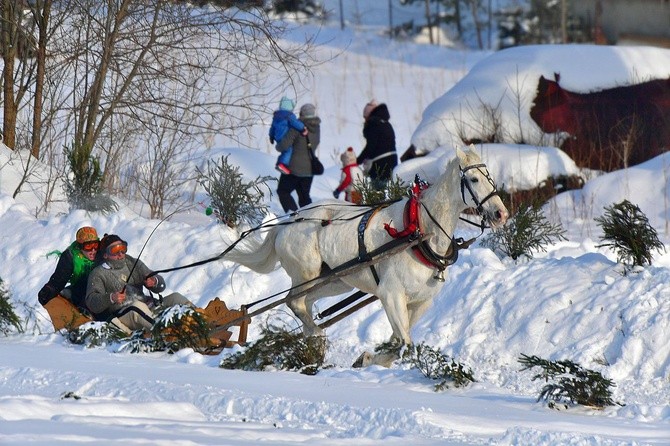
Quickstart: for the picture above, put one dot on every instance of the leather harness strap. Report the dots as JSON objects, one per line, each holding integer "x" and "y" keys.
{"x": 363, "y": 255}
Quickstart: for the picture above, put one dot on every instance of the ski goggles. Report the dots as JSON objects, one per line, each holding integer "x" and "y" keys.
{"x": 113, "y": 250}
{"x": 90, "y": 246}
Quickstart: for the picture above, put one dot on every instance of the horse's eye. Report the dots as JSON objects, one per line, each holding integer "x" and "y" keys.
{"x": 474, "y": 180}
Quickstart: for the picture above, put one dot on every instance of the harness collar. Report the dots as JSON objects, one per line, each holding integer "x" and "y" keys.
{"x": 423, "y": 252}
{"x": 411, "y": 219}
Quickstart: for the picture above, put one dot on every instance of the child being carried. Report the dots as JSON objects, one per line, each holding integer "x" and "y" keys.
{"x": 282, "y": 120}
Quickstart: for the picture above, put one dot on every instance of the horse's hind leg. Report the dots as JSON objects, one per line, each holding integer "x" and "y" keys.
{"x": 302, "y": 306}
{"x": 303, "y": 310}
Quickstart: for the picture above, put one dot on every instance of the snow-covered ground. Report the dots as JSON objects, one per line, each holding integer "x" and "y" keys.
{"x": 571, "y": 302}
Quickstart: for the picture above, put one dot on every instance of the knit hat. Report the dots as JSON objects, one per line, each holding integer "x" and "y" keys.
{"x": 107, "y": 240}
{"x": 369, "y": 107}
{"x": 348, "y": 157}
{"x": 86, "y": 234}
{"x": 287, "y": 104}
{"x": 308, "y": 111}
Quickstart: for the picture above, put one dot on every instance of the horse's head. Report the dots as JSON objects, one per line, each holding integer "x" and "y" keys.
{"x": 478, "y": 189}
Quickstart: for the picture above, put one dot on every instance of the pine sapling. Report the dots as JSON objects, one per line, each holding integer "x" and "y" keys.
{"x": 437, "y": 366}
{"x": 84, "y": 186}
{"x": 233, "y": 200}
{"x": 529, "y": 231}
{"x": 628, "y": 233}
{"x": 9, "y": 321}
{"x": 181, "y": 326}
{"x": 432, "y": 363}
{"x": 95, "y": 334}
{"x": 396, "y": 189}
{"x": 281, "y": 350}
{"x": 574, "y": 384}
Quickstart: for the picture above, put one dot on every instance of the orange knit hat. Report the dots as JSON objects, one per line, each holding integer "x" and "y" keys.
{"x": 86, "y": 234}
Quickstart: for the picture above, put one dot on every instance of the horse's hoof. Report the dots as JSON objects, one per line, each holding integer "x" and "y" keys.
{"x": 367, "y": 359}
{"x": 363, "y": 361}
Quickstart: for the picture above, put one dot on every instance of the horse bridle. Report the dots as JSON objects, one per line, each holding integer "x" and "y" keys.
{"x": 465, "y": 184}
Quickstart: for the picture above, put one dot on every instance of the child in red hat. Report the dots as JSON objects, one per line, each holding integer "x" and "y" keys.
{"x": 351, "y": 175}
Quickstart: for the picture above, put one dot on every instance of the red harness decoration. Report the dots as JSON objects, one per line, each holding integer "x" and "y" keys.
{"x": 411, "y": 219}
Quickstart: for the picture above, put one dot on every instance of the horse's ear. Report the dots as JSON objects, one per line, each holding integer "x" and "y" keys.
{"x": 463, "y": 154}
{"x": 460, "y": 154}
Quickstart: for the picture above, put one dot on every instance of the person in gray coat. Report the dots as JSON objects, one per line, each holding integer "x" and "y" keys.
{"x": 114, "y": 292}
{"x": 301, "y": 176}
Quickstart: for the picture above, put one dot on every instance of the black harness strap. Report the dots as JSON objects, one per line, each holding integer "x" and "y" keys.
{"x": 441, "y": 262}
{"x": 363, "y": 255}
{"x": 342, "y": 304}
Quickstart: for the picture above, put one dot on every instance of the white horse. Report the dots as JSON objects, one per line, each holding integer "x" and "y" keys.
{"x": 324, "y": 235}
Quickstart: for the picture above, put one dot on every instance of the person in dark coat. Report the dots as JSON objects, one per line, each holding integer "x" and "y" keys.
{"x": 379, "y": 156}
{"x": 70, "y": 277}
{"x": 301, "y": 176}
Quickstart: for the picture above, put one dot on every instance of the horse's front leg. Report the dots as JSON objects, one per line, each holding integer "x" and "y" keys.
{"x": 417, "y": 309}
{"x": 395, "y": 306}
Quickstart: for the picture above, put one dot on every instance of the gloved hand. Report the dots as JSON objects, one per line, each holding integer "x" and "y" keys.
{"x": 336, "y": 193}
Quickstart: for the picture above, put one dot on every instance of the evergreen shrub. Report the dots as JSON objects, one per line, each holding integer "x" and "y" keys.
{"x": 628, "y": 233}
{"x": 396, "y": 189}
{"x": 9, "y": 321}
{"x": 281, "y": 350}
{"x": 233, "y": 200}
{"x": 83, "y": 188}
{"x": 527, "y": 232}
{"x": 574, "y": 384}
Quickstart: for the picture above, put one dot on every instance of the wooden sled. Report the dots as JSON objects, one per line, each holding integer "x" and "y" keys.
{"x": 64, "y": 314}
{"x": 218, "y": 315}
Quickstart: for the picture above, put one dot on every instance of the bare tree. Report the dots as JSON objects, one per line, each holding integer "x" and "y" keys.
{"x": 108, "y": 69}
{"x": 15, "y": 44}
{"x": 144, "y": 53}
{"x": 41, "y": 13}
{"x": 475, "y": 8}
{"x": 161, "y": 179}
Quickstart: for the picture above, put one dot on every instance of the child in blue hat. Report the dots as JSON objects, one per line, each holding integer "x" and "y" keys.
{"x": 282, "y": 120}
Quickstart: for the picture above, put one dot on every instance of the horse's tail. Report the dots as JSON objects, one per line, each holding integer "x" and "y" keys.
{"x": 255, "y": 254}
